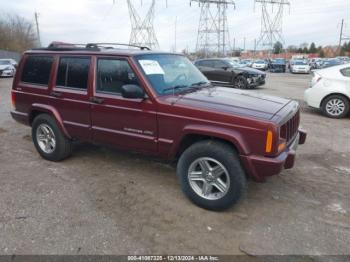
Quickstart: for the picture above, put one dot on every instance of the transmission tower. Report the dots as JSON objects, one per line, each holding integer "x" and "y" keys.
{"x": 271, "y": 22}
{"x": 213, "y": 34}
{"x": 142, "y": 31}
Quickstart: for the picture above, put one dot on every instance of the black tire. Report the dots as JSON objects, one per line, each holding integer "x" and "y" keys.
{"x": 240, "y": 82}
{"x": 63, "y": 147}
{"x": 222, "y": 153}
{"x": 343, "y": 99}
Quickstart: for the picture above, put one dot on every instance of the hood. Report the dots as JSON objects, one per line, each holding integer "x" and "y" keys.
{"x": 233, "y": 101}
{"x": 2, "y": 67}
{"x": 248, "y": 70}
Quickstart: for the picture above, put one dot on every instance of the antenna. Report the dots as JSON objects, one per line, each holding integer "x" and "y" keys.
{"x": 271, "y": 22}
{"x": 213, "y": 34}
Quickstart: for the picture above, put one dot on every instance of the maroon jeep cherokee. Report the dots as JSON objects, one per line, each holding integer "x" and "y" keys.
{"x": 156, "y": 103}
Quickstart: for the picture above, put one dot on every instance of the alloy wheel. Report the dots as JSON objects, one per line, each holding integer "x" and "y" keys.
{"x": 46, "y": 138}
{"x": 209, "y": 178}
{"x": 335, "y": 107}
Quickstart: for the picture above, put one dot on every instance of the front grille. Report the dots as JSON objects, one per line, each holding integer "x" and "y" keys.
{"x": 290, "y": 129}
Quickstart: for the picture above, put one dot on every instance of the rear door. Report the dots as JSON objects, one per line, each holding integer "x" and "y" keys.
{"x": 126, "y": 123}
{"x": 70, "y": 94}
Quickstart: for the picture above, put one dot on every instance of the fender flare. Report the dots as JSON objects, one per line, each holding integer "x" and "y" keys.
{"x": 226, "y": 134}
{"x": 53, "y": 112}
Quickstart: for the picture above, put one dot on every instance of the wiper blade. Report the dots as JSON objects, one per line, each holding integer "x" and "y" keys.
{"x": 201, "y": 83}
{"x": 174, "y": 88}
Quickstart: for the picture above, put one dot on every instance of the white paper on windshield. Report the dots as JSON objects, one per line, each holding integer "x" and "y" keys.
{"x": 151, "y": 67}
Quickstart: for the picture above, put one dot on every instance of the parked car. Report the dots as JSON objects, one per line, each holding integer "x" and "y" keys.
{"x": 221, "y": 71}
{"x": 260, "y": 65}
{"x": 277, "y": 65}
{"x": 159, "y": 104}
{"x": 330, "y": 91}
{"x": 300, "y": 67}
{"x": 7, "y": 69}
{"x": 331, "y": 62}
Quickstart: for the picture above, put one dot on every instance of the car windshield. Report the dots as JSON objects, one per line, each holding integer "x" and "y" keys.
{"x": 4, "y": 62}
{"x": 259, "y": 62}
{"x": 300, "y": 63}
{"x": 170, "y": 73}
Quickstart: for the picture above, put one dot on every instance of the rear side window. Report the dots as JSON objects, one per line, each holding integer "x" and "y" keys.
{"x": 346, "y": 72}
{"x": 36, "y": 70}
{"x": 112, "y": 74}
{"x": 73, "y": 72}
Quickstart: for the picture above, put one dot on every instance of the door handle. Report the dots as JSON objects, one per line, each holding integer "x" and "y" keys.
{"x": 55, "y": 94}
{"x": 96, "y": 100}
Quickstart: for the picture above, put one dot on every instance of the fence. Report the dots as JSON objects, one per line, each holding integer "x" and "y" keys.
{"x": 8, "y": 54}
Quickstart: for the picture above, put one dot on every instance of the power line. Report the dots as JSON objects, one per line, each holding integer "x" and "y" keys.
{"x": 271, "y": 22}
{"x": 213, "y": 35}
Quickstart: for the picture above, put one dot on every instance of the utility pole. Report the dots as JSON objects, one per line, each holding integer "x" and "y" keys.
{"x": 244, "y": 41}
{"x": 213, "y": 36}
{"x": 341, "y": 33}
{"x": 342, "y": 36}
{"x": 175, "y": 45}
{"x": 36, "y": 15}
{"x": 271, "y": 22}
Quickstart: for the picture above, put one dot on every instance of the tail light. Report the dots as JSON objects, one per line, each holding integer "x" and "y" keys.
{"x": 13, "y": 99}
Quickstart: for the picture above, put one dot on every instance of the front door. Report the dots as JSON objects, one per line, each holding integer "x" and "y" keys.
{"x": 126, "y": 123}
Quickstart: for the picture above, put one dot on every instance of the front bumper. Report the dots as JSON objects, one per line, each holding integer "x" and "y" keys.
{"x": 4, "y": 73}
{"x": 259, "y": 167}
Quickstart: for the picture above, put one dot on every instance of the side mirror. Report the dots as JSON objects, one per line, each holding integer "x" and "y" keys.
{"x": 225, "y": 67}
{"x": 132, "y": 92}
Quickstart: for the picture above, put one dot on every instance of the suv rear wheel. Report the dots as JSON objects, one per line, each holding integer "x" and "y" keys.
{"x": 49, "y": 140}
{"x": 336, "y": 106}
{"x": 211, "y": 176}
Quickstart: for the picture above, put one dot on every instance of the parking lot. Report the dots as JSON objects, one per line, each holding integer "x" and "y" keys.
{"x": 103, "y": 201}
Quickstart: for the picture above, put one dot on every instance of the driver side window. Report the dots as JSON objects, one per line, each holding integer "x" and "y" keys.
{"x": 112, "y": 74}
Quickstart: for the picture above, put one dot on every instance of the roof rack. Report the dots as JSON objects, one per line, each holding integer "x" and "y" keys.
{"x": 109, "y": 46}
{"x": 61, "y": 46}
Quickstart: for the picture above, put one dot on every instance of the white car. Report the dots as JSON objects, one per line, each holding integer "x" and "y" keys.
{"x": 7, "y": 68}
{"x": 300, "y": 67}
{"x": 260, "y": 64}
{"x": 330, "y": 91}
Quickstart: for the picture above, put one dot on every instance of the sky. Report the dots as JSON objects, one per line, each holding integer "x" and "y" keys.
{"x": 82, "y": 21}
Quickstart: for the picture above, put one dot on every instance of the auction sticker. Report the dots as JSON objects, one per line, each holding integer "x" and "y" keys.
{"x": 151, "y": 67}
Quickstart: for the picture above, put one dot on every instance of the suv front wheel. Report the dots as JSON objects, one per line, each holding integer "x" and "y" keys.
{"x": 49, "y": 140}
{"x": 211, "y": 176}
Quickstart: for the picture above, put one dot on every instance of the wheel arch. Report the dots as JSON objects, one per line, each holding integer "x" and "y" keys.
{"x": 193, "y": 135}
{"x": 38, "y": 109}
{"x": 334, "y": 94}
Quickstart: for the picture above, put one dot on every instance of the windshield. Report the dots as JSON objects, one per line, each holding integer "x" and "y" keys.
{"x": 169, "y": 73}
{"x": 4, "y": 62}
{"x": 300, "y": 63}
{"x": 259, "y": 62}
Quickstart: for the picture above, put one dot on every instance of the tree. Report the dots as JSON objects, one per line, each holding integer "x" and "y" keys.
{"x": 312, "y": 49}
{"x": 17, "y": 34}
{"x": 277, "y": 48}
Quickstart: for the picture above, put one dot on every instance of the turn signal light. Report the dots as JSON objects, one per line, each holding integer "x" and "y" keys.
{"x": 282, "y": 146}
{"x": 269, "y": 139}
